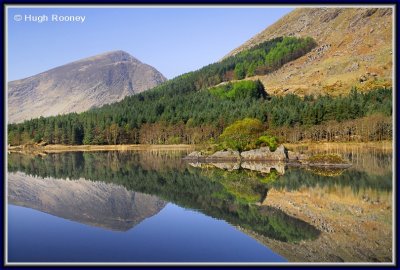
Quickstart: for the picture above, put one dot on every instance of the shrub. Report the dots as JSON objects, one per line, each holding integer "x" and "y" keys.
{"x": 267, "y": 140}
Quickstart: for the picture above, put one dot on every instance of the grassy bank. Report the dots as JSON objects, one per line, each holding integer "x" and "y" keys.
{"x": 365, "y": 146}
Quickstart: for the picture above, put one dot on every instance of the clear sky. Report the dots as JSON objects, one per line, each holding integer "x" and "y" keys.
{"x": 173, "y": 40}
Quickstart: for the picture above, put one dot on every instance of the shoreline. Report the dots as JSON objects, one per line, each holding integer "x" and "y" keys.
{"x": 308, "y": 146}
{"x": 54, "y": 148}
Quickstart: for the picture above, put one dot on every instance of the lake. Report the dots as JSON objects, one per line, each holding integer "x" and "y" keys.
{"x": 152, "y": 206}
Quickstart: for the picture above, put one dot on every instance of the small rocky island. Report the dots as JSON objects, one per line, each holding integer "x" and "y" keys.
{"x": 264, "y": 154}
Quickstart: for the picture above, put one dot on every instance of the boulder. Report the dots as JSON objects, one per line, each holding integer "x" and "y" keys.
{"x": 225, "y": 155}
{"x": 264, "y": 153}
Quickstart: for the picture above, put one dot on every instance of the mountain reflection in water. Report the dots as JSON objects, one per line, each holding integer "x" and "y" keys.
{"x": 289, "y": 209}
{"x": 93, "y": 203}
{"x": 171, "y": 180}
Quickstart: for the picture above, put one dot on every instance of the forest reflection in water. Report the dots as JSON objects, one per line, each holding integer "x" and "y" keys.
{"x": 238, "y": 195}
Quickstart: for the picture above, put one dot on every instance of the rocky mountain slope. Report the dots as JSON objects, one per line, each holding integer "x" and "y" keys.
{"x": 354, "y": 49}
{"x": 80, "y": 85}
{"x": 94, "y": 203}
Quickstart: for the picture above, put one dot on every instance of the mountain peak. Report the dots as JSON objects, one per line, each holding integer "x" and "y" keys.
{"x": 78, "y": 86}
{"x": 111, "y": 56}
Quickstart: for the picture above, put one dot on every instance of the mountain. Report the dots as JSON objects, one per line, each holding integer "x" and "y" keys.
{"x": 94, "y": 203}
{"x": 197, "y": 106}
{"x": 80, "y": 85}
{"x": 354, "y": 49}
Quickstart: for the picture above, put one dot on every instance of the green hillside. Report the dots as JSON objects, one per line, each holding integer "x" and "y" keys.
{"x": 193, "y": 107}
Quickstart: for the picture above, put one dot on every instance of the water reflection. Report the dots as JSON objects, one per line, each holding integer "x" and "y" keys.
{"x": 295, "y": 177}
{"x": 230, "y": 196}
{"x": 304, "y": 214}
{"x": 369, "y": 160}
{"x": 93, "y": 203}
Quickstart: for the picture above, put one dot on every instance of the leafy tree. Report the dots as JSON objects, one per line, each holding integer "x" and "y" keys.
{"x": 241, "y": 134}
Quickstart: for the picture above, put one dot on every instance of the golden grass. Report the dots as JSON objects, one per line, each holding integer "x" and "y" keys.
{"x": 130, "y": 147}
{"x": 364, "y": 146}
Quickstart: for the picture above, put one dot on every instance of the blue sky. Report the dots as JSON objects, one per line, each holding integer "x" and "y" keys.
{"x": 173, "y": 40}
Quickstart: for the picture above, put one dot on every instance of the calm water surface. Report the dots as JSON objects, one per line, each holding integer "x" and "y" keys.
{"x": 154, "y": 207}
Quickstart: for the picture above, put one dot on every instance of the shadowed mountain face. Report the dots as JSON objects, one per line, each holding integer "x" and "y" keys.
{"x": 80, "y": 85}
{"x": 94, "y": 203}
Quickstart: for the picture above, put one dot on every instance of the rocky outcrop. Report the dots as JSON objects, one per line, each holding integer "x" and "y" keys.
{"x": 261, "y": 154}
{"x": 264, "y": 153}
{"x": 263, "y": 160}
{"x": 225, "y": 155}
